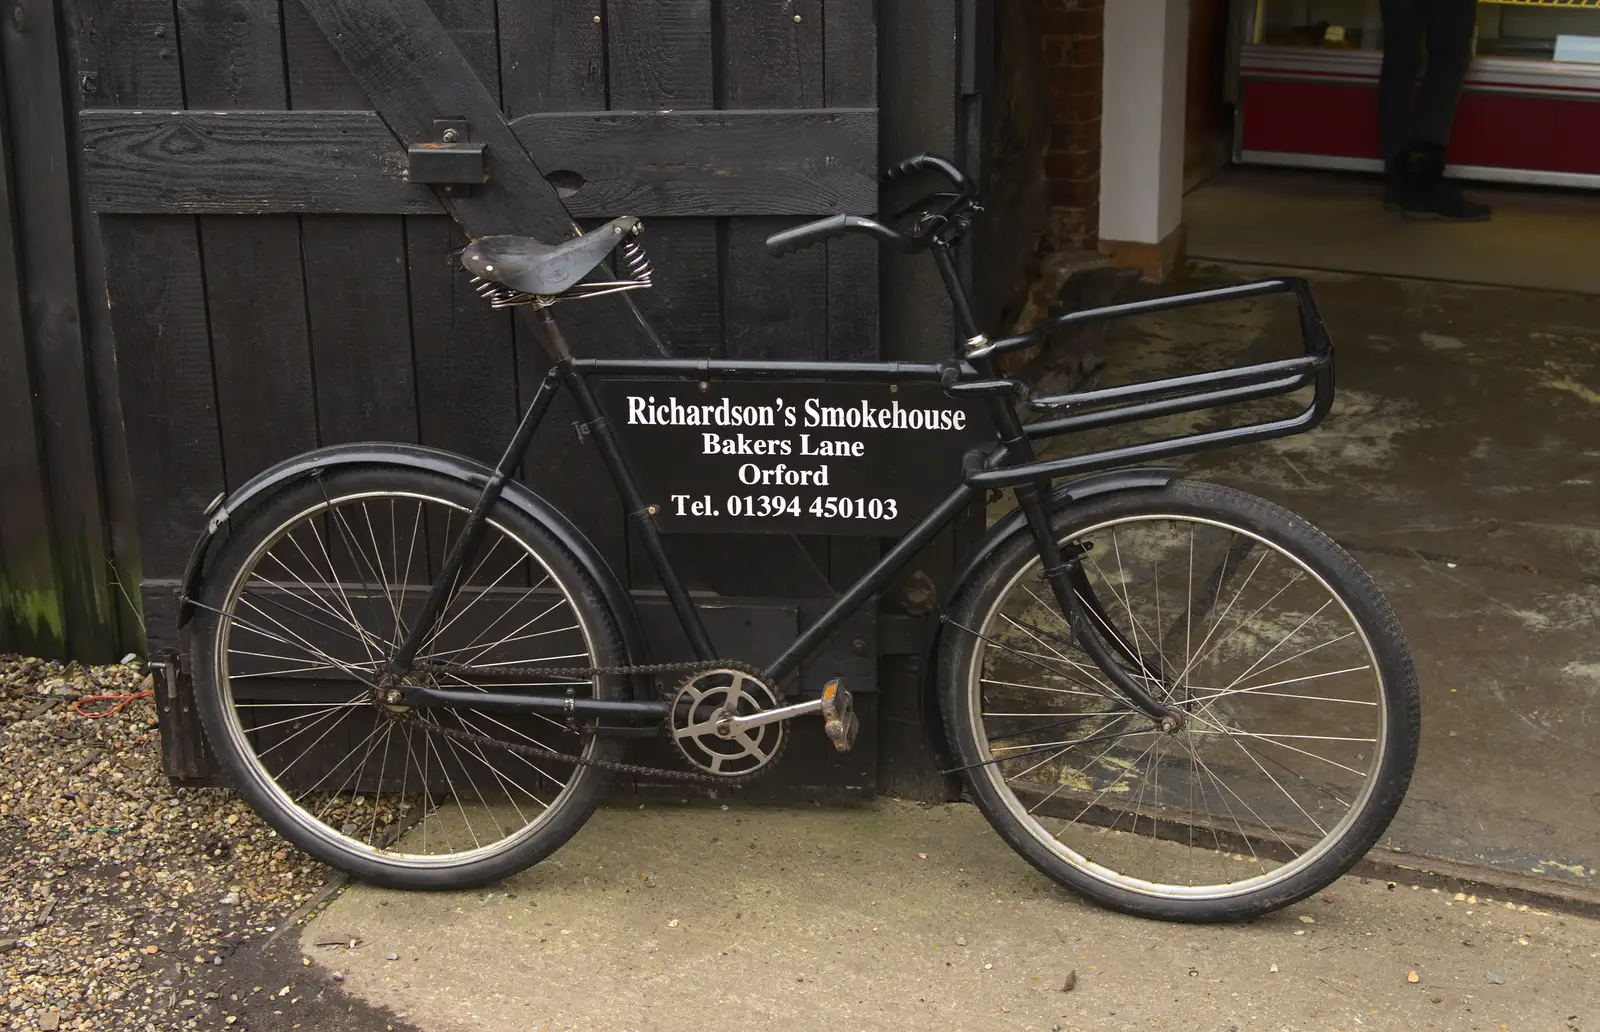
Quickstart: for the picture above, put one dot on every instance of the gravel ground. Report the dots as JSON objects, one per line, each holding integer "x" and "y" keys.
{"x": 129, "y": 903}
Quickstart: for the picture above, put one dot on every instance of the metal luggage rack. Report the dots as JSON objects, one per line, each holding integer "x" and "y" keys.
{"x": 1152, "y": 399}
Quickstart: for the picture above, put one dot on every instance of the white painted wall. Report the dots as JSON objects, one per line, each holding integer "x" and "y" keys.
{"x": 1142, "y": 121}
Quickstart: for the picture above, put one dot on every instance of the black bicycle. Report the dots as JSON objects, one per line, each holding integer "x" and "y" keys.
{"x": 1175, "y": 698}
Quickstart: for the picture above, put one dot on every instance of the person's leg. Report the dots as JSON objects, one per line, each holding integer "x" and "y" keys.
{"x": 1403, "y": 28}
{"x": 1448, "y": 30}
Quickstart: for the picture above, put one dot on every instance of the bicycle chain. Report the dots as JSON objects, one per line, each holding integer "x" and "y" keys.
{"x": 616, "y": 766}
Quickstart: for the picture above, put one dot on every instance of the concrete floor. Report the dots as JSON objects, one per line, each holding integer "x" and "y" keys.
{"x": 1323, "y": 221}
{"x": 1461, "y": 466}
{"x": 896, "y": 916}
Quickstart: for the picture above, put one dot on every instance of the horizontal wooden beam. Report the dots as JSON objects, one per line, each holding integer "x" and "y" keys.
{"x": 603, "y": 163}
{"x": 814, "y": 162}
{"x": 246, "y": 163}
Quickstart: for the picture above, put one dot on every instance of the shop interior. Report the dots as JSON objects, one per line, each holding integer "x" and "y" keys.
{"x": 1282, "y": 154}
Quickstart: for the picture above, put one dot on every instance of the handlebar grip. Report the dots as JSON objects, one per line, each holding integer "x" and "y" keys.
{"x": 918, "y": 162}
{"x": 792, "y": 240}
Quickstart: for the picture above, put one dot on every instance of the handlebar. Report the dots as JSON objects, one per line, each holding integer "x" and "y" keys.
{"x": 933, "y": 162}
{"x": 792, "y": 240}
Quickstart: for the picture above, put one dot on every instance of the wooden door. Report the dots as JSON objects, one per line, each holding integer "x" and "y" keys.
{"x": 276, "y": 284}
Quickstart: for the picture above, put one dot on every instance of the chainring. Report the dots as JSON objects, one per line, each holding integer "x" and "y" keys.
{"x": 697, "y": 722}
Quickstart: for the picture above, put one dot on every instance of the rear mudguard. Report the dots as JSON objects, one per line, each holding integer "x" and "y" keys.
{"x": 457, "y": 467}
{"x": 1004, "y": 530}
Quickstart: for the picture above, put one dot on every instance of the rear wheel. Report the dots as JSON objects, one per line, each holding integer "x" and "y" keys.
{"x": 1297, "y": 704}
{"x": 303, "y": 606}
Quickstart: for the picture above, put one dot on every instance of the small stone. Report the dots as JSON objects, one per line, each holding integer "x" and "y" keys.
{"x": 1307, "y": 919}
{"x": 1413, "y": 977}
{"x": 672, "y": 923}
{"x": 961, "y": 940}
{"x": 1496, "y": 978}
{"x": 1437, "y": 999}
{"x": 7, "y": 945}
{"x": 230, "y": 1019}
{"x": 229, "y": 899}
{"x": 1273, "y": 969}
{"x": 392, "y": 956}
{"x": 988, "y": 967}
{"x": 337, "y": 976}
{"x": 1070, "y": 983}
{"x": 50, "y": 1020}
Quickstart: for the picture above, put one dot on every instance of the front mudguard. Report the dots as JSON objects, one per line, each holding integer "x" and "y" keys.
{"x": 1003, "y": 531}
{"x": 467, "y": 471}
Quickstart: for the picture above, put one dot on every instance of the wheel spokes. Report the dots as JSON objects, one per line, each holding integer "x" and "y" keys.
{"x": 1279, "y": 700}
{"x": 304, "y": 644}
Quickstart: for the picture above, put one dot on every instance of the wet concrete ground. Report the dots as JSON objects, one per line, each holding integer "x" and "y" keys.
{"x": 896, "y": 916}
{"x": 1461, "y": 466}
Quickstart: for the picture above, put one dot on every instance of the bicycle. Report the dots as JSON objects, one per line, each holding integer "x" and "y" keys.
{"x": 421, "y": 673}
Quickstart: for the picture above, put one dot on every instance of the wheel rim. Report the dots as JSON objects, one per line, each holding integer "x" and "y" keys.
{"x": 1248, "y": 802}
{"x": 307, "y": 625}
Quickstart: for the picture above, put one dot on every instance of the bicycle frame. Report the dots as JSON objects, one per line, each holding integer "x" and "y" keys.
{"x": 1010, "y": 463}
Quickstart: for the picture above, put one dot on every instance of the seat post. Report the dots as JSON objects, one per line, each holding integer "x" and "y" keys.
{"x": 555, "y": 342}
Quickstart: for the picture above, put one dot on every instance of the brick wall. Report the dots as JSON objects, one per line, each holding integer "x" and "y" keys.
{"x": 1071, "y": 33}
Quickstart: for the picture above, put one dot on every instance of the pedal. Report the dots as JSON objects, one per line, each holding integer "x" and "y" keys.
{"x": 838, "y": 716}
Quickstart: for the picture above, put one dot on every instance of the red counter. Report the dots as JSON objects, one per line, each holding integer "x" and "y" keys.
{"x": 1519, "y": 121}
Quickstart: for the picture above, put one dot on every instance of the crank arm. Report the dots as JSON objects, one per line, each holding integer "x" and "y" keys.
{"x": 727, "y": 727}
{"x": 838, "y": 716}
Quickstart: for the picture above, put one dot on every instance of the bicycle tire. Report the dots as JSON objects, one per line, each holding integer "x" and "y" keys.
{"x": 1010, "y": 802}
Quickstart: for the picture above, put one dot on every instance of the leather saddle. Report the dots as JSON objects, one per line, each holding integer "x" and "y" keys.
{"x": 524, "y": 264}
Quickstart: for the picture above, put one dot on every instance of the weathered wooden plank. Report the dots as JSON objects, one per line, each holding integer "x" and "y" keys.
{"x": 31, "y": 620}
{"x": 360, "y": 329}
{"x": 645, "y": 163}
{"x": 463, "y": 348}
{"x": 772, "y": 54}
{"x": 659, "y": 56}
{"x": 31, "y": 54}
{"x": 475, "y": 26}
{"x": 164, "y": 361}
{"x": 248, "y": 162}
{"x": 255, "y": 289}
{"x": 552, "y": 56}
{"x": 355, "y": 276}
{"x": 128, "y": 55}
{"x": 127, "y": 52}
{"x": 121, "y": 501}
{"x": 850, "y": 45}
{"x": 711, "y": 163}
{"x": 261, "y": 347}
{"x": 850, "y": 53}
{"x": 774, "y": 307}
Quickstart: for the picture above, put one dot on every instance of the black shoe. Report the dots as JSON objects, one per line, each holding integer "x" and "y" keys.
{"x": 1432, "y": 196}
{"x": 1396, "y": 179}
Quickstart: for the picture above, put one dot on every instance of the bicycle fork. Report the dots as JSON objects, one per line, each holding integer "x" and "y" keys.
{"x": 1061, "y": 572}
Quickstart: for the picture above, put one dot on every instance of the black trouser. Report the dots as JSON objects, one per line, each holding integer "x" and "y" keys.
{"x": 1408, "y": 113}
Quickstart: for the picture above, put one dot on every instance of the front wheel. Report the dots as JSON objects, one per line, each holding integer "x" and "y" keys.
{"x": 1297, "y": 708}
